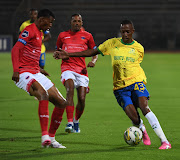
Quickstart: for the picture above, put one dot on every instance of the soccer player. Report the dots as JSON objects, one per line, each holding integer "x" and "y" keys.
{"x": 74, "y": 72}
{"x": 128, "y": 78}
{"x": 27, "y": 76}
{"x": 46, "y": 35}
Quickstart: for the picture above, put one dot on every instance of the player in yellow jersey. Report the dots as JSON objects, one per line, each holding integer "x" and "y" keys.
{"x": 46, "y": 35}
{"x": 128, "y": 78}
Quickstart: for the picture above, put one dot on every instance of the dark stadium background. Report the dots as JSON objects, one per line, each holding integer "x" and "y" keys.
{"x": 157, "y": 22}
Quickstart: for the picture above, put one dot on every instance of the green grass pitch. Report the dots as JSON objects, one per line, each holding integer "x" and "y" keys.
{"x": 103, "y": 122}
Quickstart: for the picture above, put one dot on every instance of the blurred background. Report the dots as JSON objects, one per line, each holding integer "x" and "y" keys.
{"x": 157, "y": 22}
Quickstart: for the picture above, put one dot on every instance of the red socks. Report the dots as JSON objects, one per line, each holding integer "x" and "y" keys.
{"x": 55, "y": 120}
{"x": 69, "y": 112}
{"x": 78, "y": 114}
{"x": 44, "y": 116}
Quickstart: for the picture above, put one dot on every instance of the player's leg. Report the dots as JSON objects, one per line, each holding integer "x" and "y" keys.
{"x": 123, "y": 97}
{"x": 143, "y": 95}
{"x": 67, "y": 78}
{"x": 143, "y": 104}
{"x": 59, "y": 102}
{"x": 146, "y": 139}
{"x": 81, "y": 93}
{"x": 81, "y": 84}
{"x": 132, "y": 114}
{"x": 69, "y": 85}
{"x": 41, "y": 94}
{"x": 125, "y": 100}
{"x": 42, "y": 60}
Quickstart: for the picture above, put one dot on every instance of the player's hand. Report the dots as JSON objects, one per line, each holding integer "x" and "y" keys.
{"x": 61, "y": 54}
{"x": 84, "y": 71}
{"x": 91, "y": 64}
{"x": 15, "y": 77}
{"x": 44, "y": 72}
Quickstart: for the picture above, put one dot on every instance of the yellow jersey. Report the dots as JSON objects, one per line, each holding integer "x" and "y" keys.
{"x": 126, "y": 59}
{"x": 27, "y": 23}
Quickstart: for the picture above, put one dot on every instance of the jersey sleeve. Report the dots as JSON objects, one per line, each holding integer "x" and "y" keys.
{"x": 104, "y": 48}
{"x": 25, "y": 36}
{"x": 141, "y": 53}
{"x": 15, "y": 55}
{"x": 91, "y": 43}
{"x": 59, "y": 42}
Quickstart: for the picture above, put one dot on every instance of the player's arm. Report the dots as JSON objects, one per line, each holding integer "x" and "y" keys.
{"x": 15, "y": 60}
{"x": 62, "y": 54}
{"x": 91, "y": 45}
{"x": 44, "y": 72}
{"x": 93, "y": 62}
{"x": 47, "y": 36}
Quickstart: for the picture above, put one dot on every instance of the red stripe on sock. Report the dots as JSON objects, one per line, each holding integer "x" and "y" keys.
{"x": 56, "y": 119}
{"x": 43, "y": 116}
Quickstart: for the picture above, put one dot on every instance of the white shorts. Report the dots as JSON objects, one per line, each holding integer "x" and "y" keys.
{"x": 79, "y": 80}
{"x": 26, "y": 79}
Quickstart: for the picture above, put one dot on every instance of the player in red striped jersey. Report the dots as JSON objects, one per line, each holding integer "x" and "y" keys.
{"x": 74, "y": 72}
{"x": 27, "y": 76}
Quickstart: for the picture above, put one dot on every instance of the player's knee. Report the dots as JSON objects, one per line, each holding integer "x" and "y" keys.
{"x": 145, "y": 109}
{"x": 69, "y": 102}
{"x": 62, "y": 104}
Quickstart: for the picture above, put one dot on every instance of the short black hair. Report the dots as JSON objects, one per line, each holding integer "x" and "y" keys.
{"x": 33, "y": 9}
{"x": 45, "y": 13}
{"x": 126, "y": 21}
{"x": 76, "y": 14}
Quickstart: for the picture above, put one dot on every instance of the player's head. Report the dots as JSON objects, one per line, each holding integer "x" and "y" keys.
{"x": 45, "y": 19}
{"x": 127, "y": 30}
{"x": 76, "y": 22}
{"x": 33, "y": 14}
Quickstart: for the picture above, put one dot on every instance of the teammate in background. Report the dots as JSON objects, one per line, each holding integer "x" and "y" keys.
{"x": 46, "y": 35}
{"x": 74, "y": 72}
{"x": 28, "y": 76}
{"x": 128, "y": 78}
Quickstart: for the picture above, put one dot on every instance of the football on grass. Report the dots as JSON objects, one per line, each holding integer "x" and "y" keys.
{"x": 133, "y": 136}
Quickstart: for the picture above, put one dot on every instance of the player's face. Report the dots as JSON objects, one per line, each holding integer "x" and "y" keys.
{"x": 46, "y": 23}
{"x": 33, "y": 15}
{"x": 127, "y": 31}
{"x": 76, "y": 23}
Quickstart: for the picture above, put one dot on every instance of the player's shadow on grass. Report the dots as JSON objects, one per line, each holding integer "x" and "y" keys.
{"x": 38, "y": 153}
{"x": 3, "y": 99}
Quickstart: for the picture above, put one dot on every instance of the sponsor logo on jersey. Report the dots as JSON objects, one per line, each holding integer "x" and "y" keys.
{"x": 27, "y": 77}
{"x": 132, "y": 51}
{"x": 25, "y": 34}
{"x": 66, "y": 37}
{"x": 83, "y": 38}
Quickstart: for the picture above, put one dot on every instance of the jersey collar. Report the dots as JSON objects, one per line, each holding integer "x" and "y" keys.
{"x": 127, "y": 43}
{"x": 71, "y": 32}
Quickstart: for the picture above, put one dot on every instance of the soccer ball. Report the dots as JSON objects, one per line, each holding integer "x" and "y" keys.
{"x": 133, "y": 136}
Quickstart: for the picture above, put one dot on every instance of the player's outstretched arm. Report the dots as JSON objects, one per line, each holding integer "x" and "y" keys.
{"x": 15, "y": 60}
{"x": 93, "y": 62}
{"x": 44, "y": 72}
{"x": 61, "y": 54}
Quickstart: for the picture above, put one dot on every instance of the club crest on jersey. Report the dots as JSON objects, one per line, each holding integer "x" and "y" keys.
{"x": 25, "y": 34}
{"x": 83, "y": 38}
{"x": 27, "y": 77}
